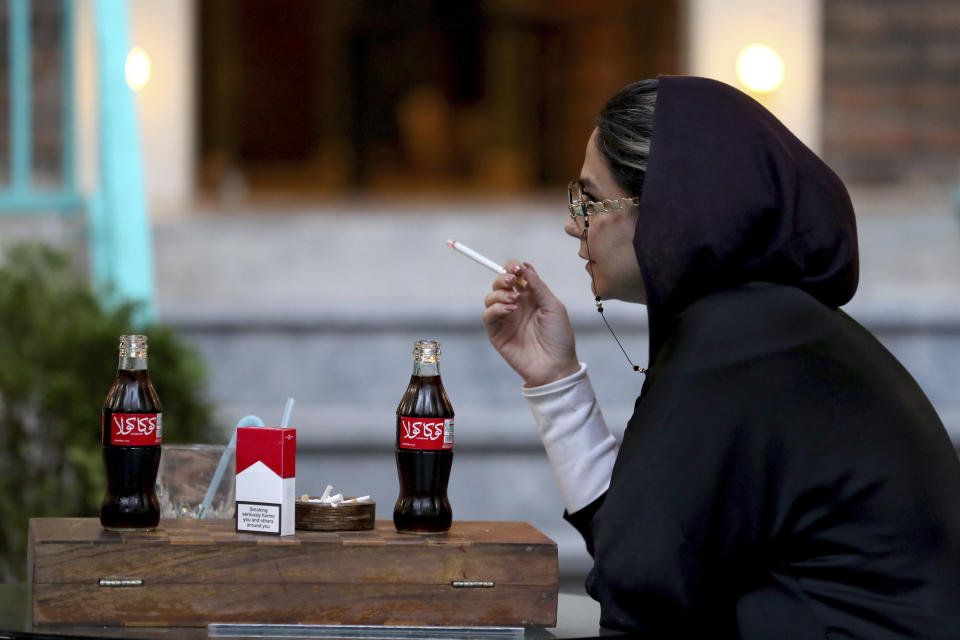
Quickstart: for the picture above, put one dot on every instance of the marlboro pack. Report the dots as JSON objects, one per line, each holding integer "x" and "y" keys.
{"x": 266, "y": 470}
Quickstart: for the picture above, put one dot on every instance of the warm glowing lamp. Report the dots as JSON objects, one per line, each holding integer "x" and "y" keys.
{"x": 137, "y": 68}
{"x": 760, "y": 68}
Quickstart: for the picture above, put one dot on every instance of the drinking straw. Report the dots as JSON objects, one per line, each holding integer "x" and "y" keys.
{"x": 245, "y": 421}
{"x": 287, "y": 410}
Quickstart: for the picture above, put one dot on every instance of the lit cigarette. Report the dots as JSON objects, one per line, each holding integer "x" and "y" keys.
{"x": 482, "y": 259}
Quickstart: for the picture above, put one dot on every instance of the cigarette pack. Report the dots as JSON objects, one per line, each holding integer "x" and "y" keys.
{"x": 266, "y": 472}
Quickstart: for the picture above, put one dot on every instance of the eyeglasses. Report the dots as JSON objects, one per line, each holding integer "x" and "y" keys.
{"x": 581, "y": 207}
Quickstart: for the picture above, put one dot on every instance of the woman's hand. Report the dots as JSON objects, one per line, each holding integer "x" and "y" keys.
{"x": 529, "y": 327}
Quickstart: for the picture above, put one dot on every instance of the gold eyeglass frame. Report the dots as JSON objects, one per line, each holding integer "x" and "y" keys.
{"x": 591, "y": 208}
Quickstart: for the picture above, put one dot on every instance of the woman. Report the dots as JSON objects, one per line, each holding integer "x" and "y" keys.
{"x": 782, "y": 475}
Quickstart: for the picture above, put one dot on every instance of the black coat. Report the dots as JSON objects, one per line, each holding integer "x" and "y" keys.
{"x": 782, "y": 475}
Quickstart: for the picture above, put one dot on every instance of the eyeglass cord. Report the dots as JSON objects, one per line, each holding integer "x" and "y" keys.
{"x": 599, "y": 303}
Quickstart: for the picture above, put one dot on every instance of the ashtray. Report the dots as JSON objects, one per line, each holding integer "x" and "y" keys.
{"x": 318, "y": 516}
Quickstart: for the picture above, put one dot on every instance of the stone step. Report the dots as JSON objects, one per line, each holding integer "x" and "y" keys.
{"x": 348, "y": 379}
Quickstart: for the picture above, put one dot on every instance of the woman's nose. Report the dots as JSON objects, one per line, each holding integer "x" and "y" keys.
{"x": 571, "y": 227}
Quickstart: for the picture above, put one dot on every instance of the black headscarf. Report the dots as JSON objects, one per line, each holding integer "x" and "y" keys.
{"x": 731, "y": 196}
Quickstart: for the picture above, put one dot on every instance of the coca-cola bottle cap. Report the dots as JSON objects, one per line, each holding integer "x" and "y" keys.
{"x": 133, "y": 346}
{"x": 426, "y": 350}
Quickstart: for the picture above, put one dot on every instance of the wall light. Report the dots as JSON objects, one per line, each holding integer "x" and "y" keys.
{"x": 759, "y": 68}
{"x": 137, "y": 69}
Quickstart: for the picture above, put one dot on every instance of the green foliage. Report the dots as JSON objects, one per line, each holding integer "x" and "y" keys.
{"x": 58, "y": 358}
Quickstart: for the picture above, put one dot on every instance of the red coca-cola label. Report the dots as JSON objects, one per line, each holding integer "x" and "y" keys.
{"x": 432, "y": 434}
{"x": 135, "y": 429}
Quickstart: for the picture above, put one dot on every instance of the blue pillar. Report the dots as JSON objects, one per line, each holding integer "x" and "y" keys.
{"x": 121, "y": 238}
{"x": 21, "y": 158}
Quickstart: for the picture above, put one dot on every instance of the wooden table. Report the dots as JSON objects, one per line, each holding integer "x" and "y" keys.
{"x": 195, "y": 572}
{"x": 577, "y": 617}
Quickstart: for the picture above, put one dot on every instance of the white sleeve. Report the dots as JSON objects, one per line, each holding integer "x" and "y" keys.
{"x": 580, "y": 447}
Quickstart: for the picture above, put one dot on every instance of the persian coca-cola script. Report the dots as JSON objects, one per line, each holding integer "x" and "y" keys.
{"x": 426, "y": 433}
{"x": 135, "y": 429}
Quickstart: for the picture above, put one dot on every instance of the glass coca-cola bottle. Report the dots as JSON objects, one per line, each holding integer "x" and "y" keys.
{"x": 131, "y": 432}
{"x": 424, "y": 447}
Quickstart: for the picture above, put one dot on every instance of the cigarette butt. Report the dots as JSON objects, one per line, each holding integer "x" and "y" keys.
{"x": 521, "y": 282}
{"x": 326, "y": 493}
